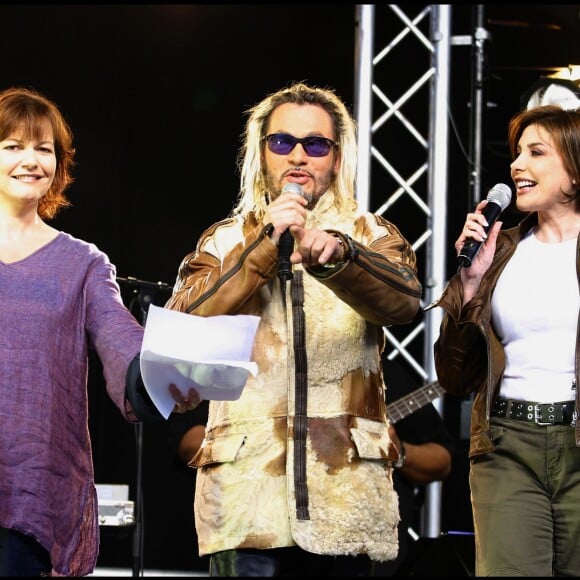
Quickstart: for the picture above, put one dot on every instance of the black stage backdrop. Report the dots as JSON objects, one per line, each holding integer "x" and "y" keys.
{"x": 154, "y": 94}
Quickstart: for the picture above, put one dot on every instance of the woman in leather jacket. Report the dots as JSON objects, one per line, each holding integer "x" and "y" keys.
{"x": 510, "y": 335}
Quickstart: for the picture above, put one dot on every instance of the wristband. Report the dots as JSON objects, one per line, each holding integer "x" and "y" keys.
{"x": 343, "y": 259}
{"x": 401, "y": 459}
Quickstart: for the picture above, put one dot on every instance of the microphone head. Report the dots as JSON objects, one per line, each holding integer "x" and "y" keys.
{"x": 292, "y": 187}
{"x": 501, "y": 194}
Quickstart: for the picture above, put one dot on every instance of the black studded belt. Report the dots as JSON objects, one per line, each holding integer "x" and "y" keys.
{"x": 540, "y": 413}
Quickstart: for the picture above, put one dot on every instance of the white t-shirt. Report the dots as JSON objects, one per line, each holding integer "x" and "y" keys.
{"x": 535, "y": 313}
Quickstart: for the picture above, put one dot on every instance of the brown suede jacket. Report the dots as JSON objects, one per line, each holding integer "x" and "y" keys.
{"x": 469, "y": 356}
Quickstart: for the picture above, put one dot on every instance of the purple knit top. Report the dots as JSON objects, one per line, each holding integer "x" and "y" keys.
{"x": 55, "y": 304}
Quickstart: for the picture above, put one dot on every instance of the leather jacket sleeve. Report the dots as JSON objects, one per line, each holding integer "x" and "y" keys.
{"x": 461, "y": 353}
{"x": 212, "y": 281}
{"x": 379, "y": 281}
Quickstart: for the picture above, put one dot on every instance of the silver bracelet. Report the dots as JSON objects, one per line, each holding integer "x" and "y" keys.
{"x": 401, "y": 459}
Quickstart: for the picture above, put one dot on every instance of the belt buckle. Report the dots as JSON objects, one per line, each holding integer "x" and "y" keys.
{"x": 551, "y": 409}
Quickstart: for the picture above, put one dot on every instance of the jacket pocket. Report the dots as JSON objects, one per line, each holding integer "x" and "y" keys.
{"x": 220, "y": 450}
{"x": 371, "y": 444}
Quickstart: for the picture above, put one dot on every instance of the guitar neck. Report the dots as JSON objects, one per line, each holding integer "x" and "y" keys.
{"x": 414, "y": 401}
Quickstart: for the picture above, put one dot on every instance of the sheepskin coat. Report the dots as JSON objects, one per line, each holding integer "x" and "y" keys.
{"x": 303, "y": 457}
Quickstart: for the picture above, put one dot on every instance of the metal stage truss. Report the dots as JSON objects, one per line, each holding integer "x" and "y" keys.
{"x": 401, "y": 102}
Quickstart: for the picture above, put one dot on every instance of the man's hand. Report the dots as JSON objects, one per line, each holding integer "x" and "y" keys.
{"x": 316, "y": 247}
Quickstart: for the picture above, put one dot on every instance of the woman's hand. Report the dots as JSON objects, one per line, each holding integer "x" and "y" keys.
{"x": 184, "y": 404}
{"x": 474, "y": 229}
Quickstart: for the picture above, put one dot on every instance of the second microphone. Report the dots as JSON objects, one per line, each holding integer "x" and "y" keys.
{"x": 498, "y": 199}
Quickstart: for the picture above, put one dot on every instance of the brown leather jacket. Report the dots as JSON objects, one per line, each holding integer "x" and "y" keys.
{"x": 302, "y": 456}
{"x": 469, "y": 356}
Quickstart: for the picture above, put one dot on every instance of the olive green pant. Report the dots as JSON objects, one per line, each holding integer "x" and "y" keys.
{"x": 526, "y": 501}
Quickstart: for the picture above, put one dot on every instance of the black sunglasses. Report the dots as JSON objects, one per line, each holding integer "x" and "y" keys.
{"x": 283, "y": 143}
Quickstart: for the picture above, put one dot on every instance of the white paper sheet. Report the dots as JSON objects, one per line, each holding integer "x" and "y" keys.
{"x": 211, "y": 354}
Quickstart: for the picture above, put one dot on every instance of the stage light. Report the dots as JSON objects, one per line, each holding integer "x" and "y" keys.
{"x": 561, "y": 88}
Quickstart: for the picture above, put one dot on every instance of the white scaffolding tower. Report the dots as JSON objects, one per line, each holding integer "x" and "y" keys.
{"x": 403, "y": 143}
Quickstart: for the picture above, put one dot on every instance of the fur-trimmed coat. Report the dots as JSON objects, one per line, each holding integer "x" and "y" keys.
{"x": 302, "y": 457}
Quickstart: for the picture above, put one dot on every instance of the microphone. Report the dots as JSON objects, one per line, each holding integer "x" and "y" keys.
{"x": 286, "y": 242}
{"x": 498, "y": 198}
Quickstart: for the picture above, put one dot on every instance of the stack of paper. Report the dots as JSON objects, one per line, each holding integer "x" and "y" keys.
{"x": 210, "y": 354}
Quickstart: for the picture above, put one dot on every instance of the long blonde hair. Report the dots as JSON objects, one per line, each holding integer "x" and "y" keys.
{"x": 253, "y": 195}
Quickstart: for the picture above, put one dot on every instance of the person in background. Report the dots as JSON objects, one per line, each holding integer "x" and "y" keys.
{"x": 428, "y": 449}
{"x": 295, "y": 477}
{"x": 510, "y": 334}
{"x": 60, "y": 298}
